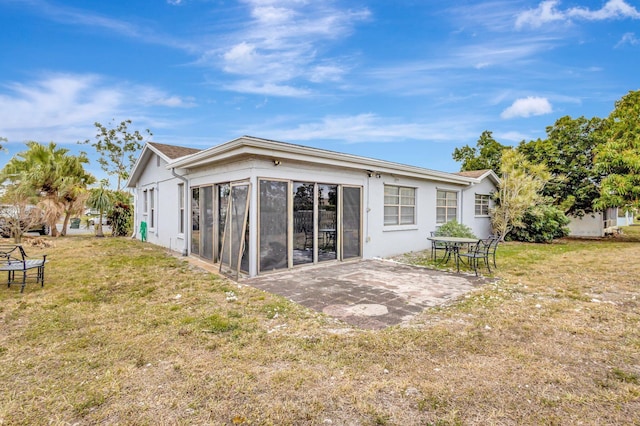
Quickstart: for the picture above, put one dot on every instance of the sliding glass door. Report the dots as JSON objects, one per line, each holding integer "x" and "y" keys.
{"x": 351, "y": 222}
{"x": 327, "y": 223}
{"x": 234, "y": 256}
{"x": 273, "y": 223}
{"x": 303, "y": 223}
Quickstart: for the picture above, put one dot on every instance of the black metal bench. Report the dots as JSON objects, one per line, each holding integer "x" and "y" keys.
{"x": 14, "y": 259}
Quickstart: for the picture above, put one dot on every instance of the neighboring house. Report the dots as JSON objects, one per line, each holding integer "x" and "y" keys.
{"x": 625, "y": 217}
{"x": 601, "y": 223}
{"x": 256, "y": 205}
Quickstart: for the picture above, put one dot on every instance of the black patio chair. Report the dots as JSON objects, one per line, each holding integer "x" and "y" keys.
{"x": 438, "y": 245}
{"x": 493, "y": 248}
{"x": 479, "y": 252}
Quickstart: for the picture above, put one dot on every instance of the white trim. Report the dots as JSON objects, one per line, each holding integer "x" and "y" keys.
{"x": 280, "y": 151}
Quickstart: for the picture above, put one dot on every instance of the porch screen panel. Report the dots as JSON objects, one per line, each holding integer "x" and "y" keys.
{"x": 223, "y": 190}
{"x": 351, "y": 222}
{"x": 273, "y": 225}
{"x": 195, "y": 220}
{"x": 327, "y": 222}
{"x": 303, "y": 224}
{"x": 236, "y": 226}
{"x": 207, "y": 222}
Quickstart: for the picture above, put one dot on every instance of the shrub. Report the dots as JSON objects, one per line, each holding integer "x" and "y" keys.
{"x": 540, "y": 224}
{"x": 455, "y": 229}
{"x": 121, "y": 217}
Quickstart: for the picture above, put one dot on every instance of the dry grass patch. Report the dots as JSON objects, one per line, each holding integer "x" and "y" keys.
{"x": 124, "y": 334}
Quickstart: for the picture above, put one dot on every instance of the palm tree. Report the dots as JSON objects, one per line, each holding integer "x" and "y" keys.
{"x": 56, "y": 177}
{"x": 73, "y": 188}
{"x": 100, "y": 199}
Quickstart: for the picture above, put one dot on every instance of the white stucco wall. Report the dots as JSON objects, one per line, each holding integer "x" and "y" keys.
{"x": 480, "y": 225}
{"x": 165, "y": 231}
{"x": 387, "y": 240}
{"x": 626, "y": 219}
{"x": 590, "y": 225}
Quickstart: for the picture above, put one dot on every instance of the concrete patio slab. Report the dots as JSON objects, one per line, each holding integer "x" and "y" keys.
{"x": 370, "y": 294}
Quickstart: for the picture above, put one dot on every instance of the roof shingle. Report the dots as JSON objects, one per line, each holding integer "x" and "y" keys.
{"x": 473, "y": 173}
{"x": 173, "y": 151}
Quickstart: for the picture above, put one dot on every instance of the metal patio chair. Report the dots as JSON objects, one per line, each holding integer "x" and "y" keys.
{"x": 480, "y": 252}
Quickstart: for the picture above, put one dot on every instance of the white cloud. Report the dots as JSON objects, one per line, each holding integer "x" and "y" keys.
{"x": 267, "y": 89}
{"x": 545, "y": 12}
{"x": 134, "y": 30}
{"x": 628, "y": 38}
{"x": 548, "y": 11}
{"x": 613, "y": 9}
{"x": 322, "y": 73}
{"x": 368, "y": 127}
{"x": 279, "y": 46}
{"x": 63, "y": 107}
{"x": 150, "y": 96}
{"x": 527, "y": 107}
{"x": 512, "y": 136}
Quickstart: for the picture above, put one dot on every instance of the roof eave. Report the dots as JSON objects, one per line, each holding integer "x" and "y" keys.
{"x": 245, "y": 146}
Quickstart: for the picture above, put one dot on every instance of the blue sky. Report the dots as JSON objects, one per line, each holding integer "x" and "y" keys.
{"x": 403, "y": 80}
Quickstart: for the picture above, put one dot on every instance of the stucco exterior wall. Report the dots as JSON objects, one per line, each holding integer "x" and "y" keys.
{"x": 590, "y": 225}
{"x": 165, "y": 231}
{"x": 480, "y": 225}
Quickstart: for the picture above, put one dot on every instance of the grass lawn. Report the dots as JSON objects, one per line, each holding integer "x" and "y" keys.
{"x": 122, "y": 333}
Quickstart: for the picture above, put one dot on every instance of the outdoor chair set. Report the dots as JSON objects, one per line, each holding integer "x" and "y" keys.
{"x": 472, "y": 252}
{"x": 13, "y": 259}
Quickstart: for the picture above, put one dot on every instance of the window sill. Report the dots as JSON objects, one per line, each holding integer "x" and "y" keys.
{"x": 392, "y": 228}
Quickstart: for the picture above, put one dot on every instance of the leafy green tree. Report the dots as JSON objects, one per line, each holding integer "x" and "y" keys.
{"x": 619, "y": 157}
{"x": 54, "y": 177}
{"x": 568, "y": 152}
{"x": 540, "y": 224}
{"x": 521, "y": 184}
{"x": 3, "y": 140}
{"x": 486, "y": 155}
{"x": 100, "y": 199}
{"x": 118, "y": 148}
{"x": 121, "y": 214}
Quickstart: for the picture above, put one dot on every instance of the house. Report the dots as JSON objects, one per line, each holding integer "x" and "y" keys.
{"x": 255, "y": 205}
{"x": 600, "y": 223}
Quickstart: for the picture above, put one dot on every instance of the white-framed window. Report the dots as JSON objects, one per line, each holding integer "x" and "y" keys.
{"x": 152, "y": 208}
{"x": 181, "y": 207}
{"x": 482, "y": 204}
{"x": 145, "y": 201}
{"x": 446, "y": 206}
{"x": 399, "y": 205}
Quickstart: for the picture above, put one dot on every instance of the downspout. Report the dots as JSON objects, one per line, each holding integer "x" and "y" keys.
{"x": 187, "y": 236}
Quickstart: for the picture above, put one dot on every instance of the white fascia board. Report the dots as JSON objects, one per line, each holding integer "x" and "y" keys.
{"x": 247, "y": 146}
{"x": 147, "y": 150}
{"x": 492, "y": 175}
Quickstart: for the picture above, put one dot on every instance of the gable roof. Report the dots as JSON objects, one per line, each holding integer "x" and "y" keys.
{"x": 172, "y": 151}
{"x": 480, "y": 174}
{"x": 167, "y": 152}
{"x": 249, "y": 145}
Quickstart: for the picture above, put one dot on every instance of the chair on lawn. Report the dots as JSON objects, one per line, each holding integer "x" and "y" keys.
{"x": 438, "y": 245}
{"x": 493, "y": 248}
{"x": 481, "y": 251}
